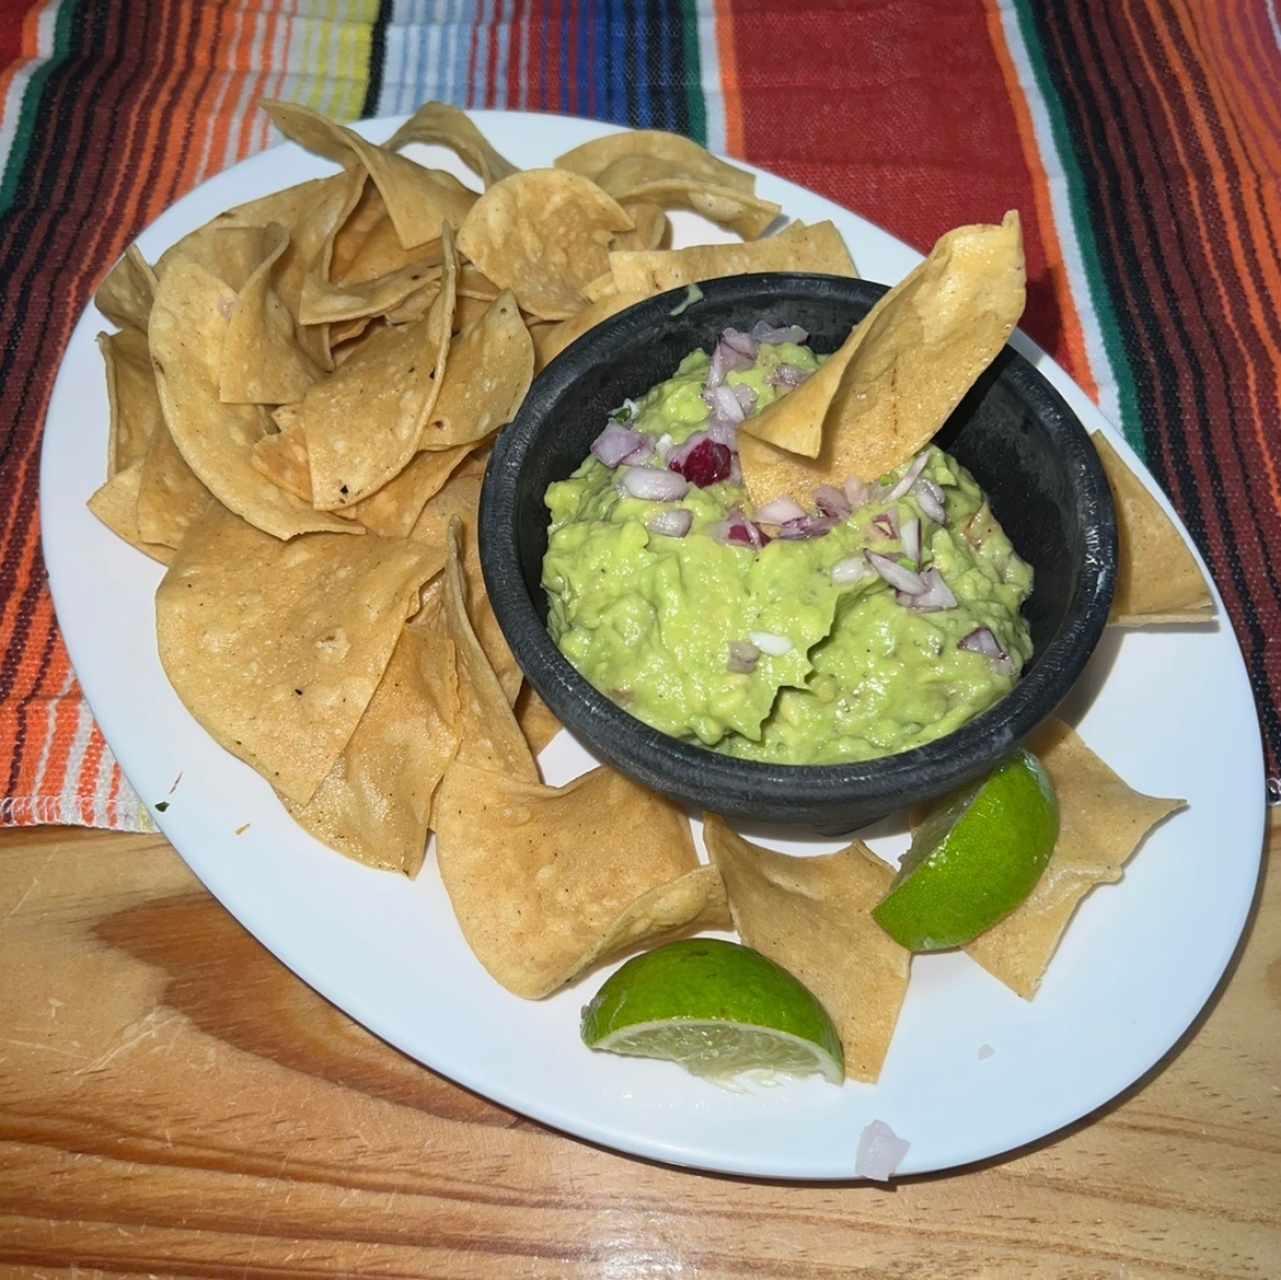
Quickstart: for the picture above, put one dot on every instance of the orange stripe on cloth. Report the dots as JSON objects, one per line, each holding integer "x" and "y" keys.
{"x": 30, "y": 50}
{"x": 730, "y": 86}
{"x": 1072, "y": 337}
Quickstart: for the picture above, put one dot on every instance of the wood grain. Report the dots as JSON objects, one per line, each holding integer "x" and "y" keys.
{"x": 174, "y": 1102}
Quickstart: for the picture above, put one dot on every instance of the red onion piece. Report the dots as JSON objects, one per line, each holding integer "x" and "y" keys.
{"x": 746, "y": 397}
{"x": 847, "y": 572}
{"x": 734, "y": 351}
{"x": 768, "y": 642}
{"x": 653, "y": 485}
{"x": 780, "y": 511}
{"x": 743, "y": 343}
{"x": 929, "y": 497}
{"x": 706, "y": 464}
{"x": 886, "y": 524}
{"x": 743, "y": 656}
{"x": 858, "y": 494}
{"x": 671, "y": 524}
{"x": 739, "y": 531}
{"x": 981, "y": 640}
{"x": 902, "y": 579}
{"x": 831, "y": 501}
{"x": 617, "y": 442}
{"x": 937, "y": 594}
{"x": 904, "y": 486}
{"x": 735, "y": 470}
{"x": 910, "y": 535}
{"x": 788, "y": 375}
{"x": 724, "y": 404}
{"x": 763, "y": 331}
{"x": 807, "y": 527}
{"x": 880, "y": 1152}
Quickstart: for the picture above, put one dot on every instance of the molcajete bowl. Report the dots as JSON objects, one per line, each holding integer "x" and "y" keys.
{"x": 1013, "y": 431}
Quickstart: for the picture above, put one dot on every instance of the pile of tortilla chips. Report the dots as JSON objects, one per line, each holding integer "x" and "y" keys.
{"x": 303, "y": 395}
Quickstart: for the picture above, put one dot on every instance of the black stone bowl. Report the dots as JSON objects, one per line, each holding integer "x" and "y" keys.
{"x": 1013, "y": 431}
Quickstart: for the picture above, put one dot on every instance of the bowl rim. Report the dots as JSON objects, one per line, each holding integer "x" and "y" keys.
{"x": 688, "y": 770}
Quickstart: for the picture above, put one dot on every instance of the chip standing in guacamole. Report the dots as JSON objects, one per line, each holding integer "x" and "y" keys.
{"x": 885, "y": 620}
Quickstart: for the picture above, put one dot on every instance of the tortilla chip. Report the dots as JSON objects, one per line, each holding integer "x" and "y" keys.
{"x": 419, "y": 201}
{"x": 488, "y": 735}
{"x": 551, "y": 339}
{"x": 540, "y": 882}
{"x": 363, "y": 423}
{"x": 395, "y": 508}
{"x": 188, "y": 324}
{"x": 490, "y": 369}
{"x": 325, "y": 303}
{"x": 543, "y": 234}
{"x": 813, "y": 917}
{"x": 535, "y": 718}
{"x": 797, "y": 248}
{"x": 116, "y": 504}
{"x": 277, "y": 648}
{"x": 125, "y": 296}
{"x": 652, "y": 227}
{"x": 171, "y": 497}
{"x": 282, "y": 457}
{"x": 1102, "y": 822}
{"x": 902, "y": 370}
{"x": 343, "y": 332}
{"x": 439, "y": 124}
{"x": 375, "y": 803}
{"x": 263, "y": 361}
{"x": 1157, "y": 577}
{"x": 670, "y": 150}
{"x": 131, "y": 393}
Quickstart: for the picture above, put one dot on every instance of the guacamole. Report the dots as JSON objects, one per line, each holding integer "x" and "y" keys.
{"x": 884, "y": 620}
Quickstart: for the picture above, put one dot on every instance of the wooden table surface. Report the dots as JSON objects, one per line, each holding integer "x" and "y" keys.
{"x": 173, "y": 1101}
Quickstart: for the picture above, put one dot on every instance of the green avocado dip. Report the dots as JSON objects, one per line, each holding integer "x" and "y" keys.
{"x": 885, "y": 621}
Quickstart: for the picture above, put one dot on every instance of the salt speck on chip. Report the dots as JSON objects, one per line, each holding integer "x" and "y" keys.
{"x": 880, "y": 1152}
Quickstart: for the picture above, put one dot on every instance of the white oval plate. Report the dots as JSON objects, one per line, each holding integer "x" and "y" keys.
{"x": 1170, "y": 710}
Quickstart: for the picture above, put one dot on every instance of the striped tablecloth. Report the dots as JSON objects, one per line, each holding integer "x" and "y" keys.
{"x": 1140, "y": 138}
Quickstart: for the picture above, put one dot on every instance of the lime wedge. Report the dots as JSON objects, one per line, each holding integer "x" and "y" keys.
{"x": 974, "y": 860}
{"x": 719, "y": 1009}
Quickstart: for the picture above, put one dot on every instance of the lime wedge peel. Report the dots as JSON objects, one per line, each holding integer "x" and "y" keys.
{"x": 722, "y": 1011}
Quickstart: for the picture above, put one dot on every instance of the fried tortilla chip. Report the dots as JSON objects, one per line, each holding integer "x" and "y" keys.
{"x": 490, "y": 368}
{"x": 116, "y": 504}
{"x": 813, "y": 917}
{"x": 539, "y": 880}
{"x": 652, "y": 227}
{"x": 902, "y": 370}
{"x": 1157, "y": 577}
{"x": 276, "y": 648}
{"x": 125, "y": 296}
{"x": 797, "y": 248}
{"x": 439, "y": 124}
{"x": 551, "y": 339}
{"x": 375, "y": 803}
{"x": 543, "y": 234}
{"x": 325, "y": 303}
{"x": 282, "y": 457}
{"x": 263, "y": 361}
{"x": 363, "y": 423}
{"x": 131, "y": 393}
{"x": 188, "y": 324}
{"x": 394, "y": 509}
{"x": 535, "y": 718}
{"x": 171, "y": 497}
{"x": 1102, "y": 822}
{"x": 419, "y": 201}
{"x": 670, "y": 151}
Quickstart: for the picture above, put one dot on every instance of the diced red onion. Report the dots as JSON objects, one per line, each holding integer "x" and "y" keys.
{"x": 767, "y": 642}
{"x": 734, "y": 351}
{"x": 846, "y": 572}
{"x": 880, "y": 1152}
{"x": 723, "y": 432}
{"x": 858, "y": 494}
{"x": 937, "y": 594}
{"x": 831, "y": 501}
{"x": 886, "y": 524}
{"x": 788, "y": 375}
{"x": 746, "y": 397}
{"x": 617, "y": 442}
{"x": 671, "y": 524}
{"x": 895, "y": 574}
{"x": 743, "y": 343}
{"x": 929, "y": 496}
{"x": 735, "y": 470}
{"x": 763, "y": 331}
{"x": 780, "y": 511}
{"x": 904, "y": 486}
{"x": 652, "y": 484}
{"x": 981, "y": 640}
{"x": 738, "y": 530}
{"x": 807, "y": 527}
{"x": 724, "y": 404}
{"x": 743, "y": 656}
{"x": 910, "y": 536}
